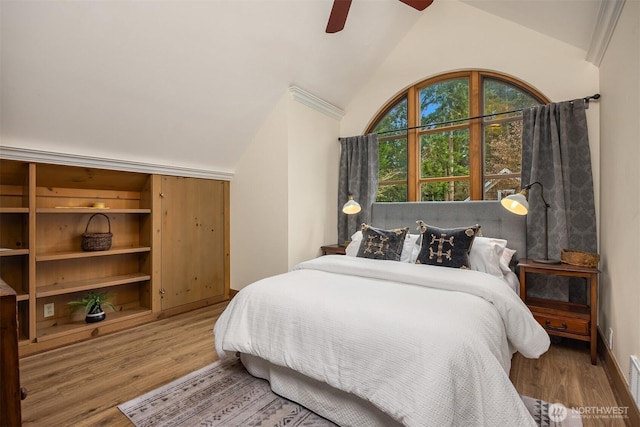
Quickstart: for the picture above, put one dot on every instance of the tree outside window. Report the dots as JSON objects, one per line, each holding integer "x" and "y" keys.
{"x": 454, "y": 137}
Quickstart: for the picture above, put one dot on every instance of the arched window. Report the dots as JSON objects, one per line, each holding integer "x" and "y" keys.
{"x": 457, "y": 136}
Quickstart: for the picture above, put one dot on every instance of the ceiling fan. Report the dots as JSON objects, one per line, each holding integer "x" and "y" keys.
{"x": 340, "y": 10}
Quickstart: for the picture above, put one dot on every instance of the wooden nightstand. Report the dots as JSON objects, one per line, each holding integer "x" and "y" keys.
{"x": 333, "y": 250}
{"x": 564, "y": 319}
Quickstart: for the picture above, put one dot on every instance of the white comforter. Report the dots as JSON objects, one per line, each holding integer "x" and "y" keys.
{"x": 430, "y": 346}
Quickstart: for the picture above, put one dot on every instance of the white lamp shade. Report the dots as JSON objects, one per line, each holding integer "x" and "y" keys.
{"x": 516, "y": 203}
{"x": 351, "y": 207}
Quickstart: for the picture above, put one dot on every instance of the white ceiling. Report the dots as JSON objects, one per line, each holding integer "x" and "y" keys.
{"x": 571, "y": 21}
{"x": 188, "y": 83}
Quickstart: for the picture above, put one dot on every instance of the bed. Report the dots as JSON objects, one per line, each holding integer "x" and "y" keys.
{"x": 369, "y": 342}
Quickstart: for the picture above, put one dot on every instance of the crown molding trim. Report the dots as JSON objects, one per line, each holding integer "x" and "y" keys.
{"x": 610, "y": 11}
{"x": 310, "y": 100}
{"x": 38, "y": 156}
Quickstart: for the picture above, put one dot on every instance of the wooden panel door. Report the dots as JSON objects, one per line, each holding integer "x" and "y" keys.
{"x": 194, "y": 241}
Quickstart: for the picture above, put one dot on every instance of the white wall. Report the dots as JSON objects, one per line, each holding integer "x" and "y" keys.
{"x": 313, "y": 181}
{"x": 284, "y": 192}
{"x": 620, "y": 175}
{"x": 259, "y": 203}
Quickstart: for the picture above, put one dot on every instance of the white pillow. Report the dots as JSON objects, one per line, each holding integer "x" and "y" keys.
{"x": 410, "y": 249}
{"x": 505, "y": 260}
{"x": 354, "y": 244}
{"x": 486, "y": 255}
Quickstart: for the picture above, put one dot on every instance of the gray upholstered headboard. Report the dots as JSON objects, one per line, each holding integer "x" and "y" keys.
{"x": 492, "y": 217}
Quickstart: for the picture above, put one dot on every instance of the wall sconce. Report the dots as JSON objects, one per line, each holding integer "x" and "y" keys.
{"x": 351, "y": 207}
{"x": 518, "y": 204}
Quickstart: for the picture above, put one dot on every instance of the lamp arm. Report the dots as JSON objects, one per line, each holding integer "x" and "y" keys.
{"x": 528, "y": 187}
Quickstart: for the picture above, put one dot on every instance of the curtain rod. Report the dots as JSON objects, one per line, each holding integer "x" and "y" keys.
{"x": 586, "y": 101}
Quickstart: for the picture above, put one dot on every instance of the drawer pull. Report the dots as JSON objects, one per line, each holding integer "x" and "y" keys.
{"x": 547, "y": 325}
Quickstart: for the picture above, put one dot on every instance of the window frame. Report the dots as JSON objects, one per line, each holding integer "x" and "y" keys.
{"x": 476, "y": 127}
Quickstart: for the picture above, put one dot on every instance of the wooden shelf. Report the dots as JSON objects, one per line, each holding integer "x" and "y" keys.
{"x": 22, "y": 297}
{"x": 560, "y": 269}
{"x": 14, "y": 210}
{"x": 59, "y": 330}
{"x": 86, "y": 285}
{"x": 14, "y": 252}
{"x": 60, "y": 197}
{"x": 558, "y": 307}
{"x": 88, "y": 210}
{"x": 56, "y": 256}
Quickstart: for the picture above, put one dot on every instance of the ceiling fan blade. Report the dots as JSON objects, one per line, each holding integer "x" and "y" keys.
{"x": 338, "y": 16}
{"x": 418, "y": 4}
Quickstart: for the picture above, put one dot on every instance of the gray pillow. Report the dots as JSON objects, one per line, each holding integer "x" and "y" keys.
{"x": 382, "y": 244}
{"x": 446, "y": 247}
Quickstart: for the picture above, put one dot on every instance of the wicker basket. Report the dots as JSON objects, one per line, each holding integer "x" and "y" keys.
{"x": 579, "y": 258}
{"x": 96, "y": 241}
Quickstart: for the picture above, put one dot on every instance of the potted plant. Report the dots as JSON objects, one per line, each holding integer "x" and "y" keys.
{"x": 92, "y": 303}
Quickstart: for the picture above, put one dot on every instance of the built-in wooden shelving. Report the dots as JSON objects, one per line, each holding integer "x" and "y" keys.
{"x": 44, "y": 210}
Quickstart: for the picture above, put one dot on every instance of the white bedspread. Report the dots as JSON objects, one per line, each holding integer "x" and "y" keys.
{"x": 430, "y": 346}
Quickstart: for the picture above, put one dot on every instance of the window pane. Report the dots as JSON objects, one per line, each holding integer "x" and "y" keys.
{"x": 497, "y": 188}
{"x": 503, "y": 137}
{"x": 394, "y": 119}
{"x": 392, "y": 193}
{"x": 503, "y": 148}
{"x": 442, "y": 102}
{"x": 393, "y": 160}
{"x": 500, "y": 97}
{"x": 392, "y": 137}
{"x": 444, "y": 191}
{"x": 444, "y": 154}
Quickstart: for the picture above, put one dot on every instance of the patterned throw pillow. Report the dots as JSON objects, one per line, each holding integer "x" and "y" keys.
{"x": 446, "y": 247}
{"x": 382, "y": 244}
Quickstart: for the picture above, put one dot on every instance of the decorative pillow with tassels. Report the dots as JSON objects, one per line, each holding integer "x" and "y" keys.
{"x": 446, "y": 247}
{"x": 382, "y": 244}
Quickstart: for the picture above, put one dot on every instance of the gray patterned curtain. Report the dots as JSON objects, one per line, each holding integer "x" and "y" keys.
{"x": 358, "y": 177}
{"x": 555, "y": 152}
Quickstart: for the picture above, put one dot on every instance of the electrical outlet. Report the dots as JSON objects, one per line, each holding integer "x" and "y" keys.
{"x": 610, "y": 339}
{"x": 49, "y": 310}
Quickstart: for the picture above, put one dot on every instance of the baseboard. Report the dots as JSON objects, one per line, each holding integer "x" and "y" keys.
{"x": 618, "y": 382}
{"x": 191, "y": 306}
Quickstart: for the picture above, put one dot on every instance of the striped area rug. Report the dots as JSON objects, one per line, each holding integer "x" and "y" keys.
{"x": 224, "y": 394}
{"x": 548, "y": 414}
{"x": 221, "y": 394}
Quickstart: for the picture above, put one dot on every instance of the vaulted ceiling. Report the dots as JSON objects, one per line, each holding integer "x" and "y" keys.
{"x": 570, "y": 21}
{"x": 189, "y": 82}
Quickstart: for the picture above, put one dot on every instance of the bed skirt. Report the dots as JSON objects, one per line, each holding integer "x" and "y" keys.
{"x": 335, "y": 405}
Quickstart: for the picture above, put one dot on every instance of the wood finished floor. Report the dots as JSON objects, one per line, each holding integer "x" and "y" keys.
{"x": 565, "y": 375}
{"x": 82, "y": 385}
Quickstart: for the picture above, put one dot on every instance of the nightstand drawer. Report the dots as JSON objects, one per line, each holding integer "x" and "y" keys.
{"x": 563, "y": 324}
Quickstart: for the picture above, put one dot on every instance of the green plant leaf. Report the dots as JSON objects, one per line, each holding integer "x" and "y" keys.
{"x": 92, "y": 299}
